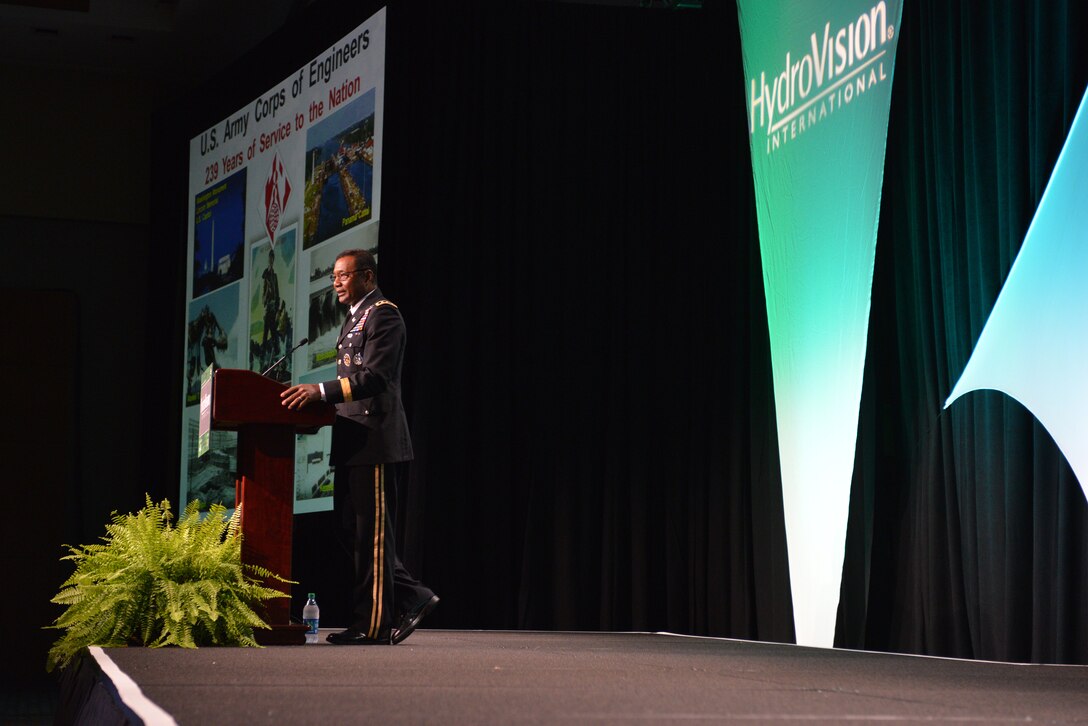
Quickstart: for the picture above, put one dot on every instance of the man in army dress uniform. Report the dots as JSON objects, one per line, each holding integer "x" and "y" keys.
{"x": 370, "y": 434}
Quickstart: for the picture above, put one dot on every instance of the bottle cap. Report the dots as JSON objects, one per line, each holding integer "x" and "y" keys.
{"x": 310, "y": 596}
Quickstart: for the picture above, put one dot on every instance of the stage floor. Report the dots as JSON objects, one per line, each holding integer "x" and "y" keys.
{"x": 474, "y": 677}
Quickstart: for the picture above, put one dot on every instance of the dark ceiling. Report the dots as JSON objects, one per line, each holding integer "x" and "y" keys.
{"x": 176, "y": 43}
{"x": 173, "y": 41}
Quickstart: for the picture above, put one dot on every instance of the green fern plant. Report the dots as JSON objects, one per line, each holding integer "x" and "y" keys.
{"x": 151, "y": 583}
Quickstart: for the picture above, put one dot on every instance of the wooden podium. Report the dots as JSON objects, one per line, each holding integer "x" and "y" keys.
{"x": 249, "y": 403}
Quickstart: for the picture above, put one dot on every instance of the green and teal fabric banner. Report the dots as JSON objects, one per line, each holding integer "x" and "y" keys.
{"x": 1033, "y": 346}
{"x": 818, "y": 82}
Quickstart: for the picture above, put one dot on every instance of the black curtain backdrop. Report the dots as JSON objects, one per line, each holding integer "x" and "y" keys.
{"x": 568, "y": 225}
{"x": 969, "y": 531}
{"x": 590, "y": 388}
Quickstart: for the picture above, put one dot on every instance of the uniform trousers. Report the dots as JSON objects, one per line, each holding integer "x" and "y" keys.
{"x": 383, "y": 588}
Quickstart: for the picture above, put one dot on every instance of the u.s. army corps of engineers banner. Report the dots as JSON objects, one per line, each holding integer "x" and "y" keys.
{"x": 818, "y": 81}
{"x": 277, "y": 190}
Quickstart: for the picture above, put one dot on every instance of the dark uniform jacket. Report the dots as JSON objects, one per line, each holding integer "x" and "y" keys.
{"x": 370, "y": 425}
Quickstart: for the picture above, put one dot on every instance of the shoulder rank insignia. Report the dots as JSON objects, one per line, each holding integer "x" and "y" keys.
{"x": 358, "y": 327}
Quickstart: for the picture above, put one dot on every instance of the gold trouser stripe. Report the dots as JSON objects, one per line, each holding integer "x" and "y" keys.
{"x": 345, "y": 386}
{"x": 379, "y": 551}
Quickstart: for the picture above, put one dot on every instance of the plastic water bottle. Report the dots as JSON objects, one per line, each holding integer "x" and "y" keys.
{"x": 310, "y": 615}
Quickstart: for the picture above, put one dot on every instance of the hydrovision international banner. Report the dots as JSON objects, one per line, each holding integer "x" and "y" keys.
{"x": 818, "y": 82}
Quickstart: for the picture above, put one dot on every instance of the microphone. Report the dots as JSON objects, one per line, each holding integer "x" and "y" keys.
{"x": 283, "y": 357}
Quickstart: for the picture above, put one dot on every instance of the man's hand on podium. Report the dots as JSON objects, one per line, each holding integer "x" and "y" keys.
{"x": 298, "y": 396}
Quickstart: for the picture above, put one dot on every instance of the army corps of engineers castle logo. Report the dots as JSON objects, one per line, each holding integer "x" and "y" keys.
{"x": 277, "y": 190}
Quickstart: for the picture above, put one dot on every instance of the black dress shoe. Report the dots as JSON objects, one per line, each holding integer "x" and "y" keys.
{"x": 353, "y": 636}
{"x": 411, "y": 619}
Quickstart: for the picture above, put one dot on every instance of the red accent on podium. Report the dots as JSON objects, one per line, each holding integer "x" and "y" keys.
{"x": 249, "y": 403}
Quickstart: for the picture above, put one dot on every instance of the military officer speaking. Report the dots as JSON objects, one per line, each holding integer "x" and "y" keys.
{"x": 370, "y": 434}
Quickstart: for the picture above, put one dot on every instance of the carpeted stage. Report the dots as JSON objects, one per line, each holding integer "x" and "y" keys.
{"x": 474, "y": 677}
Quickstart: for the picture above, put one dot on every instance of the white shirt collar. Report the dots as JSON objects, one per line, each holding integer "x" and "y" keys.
{"x": 355, "y": 308}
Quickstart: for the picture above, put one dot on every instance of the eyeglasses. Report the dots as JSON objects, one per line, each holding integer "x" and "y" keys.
{"x": 343, "y": 276}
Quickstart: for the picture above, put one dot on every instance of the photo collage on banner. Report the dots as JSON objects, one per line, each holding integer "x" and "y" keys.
{"x": 272, "y": 306}
{"x": 276, "y": 191}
